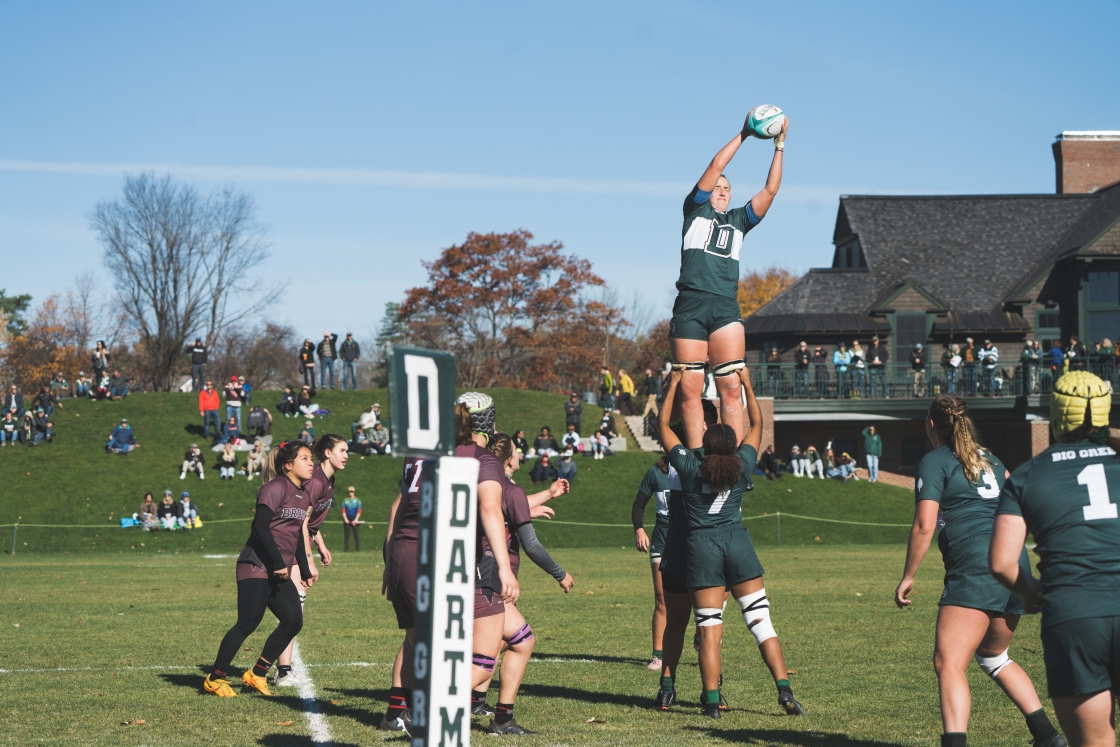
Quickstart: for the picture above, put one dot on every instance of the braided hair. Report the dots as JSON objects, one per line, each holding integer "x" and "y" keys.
{"x": 954, "y": 428}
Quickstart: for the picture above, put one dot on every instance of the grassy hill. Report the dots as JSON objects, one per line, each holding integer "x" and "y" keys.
{"x": 74, "y": 482}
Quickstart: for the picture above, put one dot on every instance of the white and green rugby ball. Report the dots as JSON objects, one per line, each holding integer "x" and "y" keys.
{"x": 765, "y": 122}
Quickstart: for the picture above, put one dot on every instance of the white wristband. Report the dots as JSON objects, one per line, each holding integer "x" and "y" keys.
{"x": 779, "y": 145}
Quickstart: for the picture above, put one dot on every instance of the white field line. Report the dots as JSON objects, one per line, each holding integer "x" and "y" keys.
{"x": 316, "y": 723}
{"x": 171, "y": 667}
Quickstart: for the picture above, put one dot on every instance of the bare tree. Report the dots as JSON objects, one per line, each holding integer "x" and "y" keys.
{"x": 264, "y": 355}
{"x": 177, "y": 258}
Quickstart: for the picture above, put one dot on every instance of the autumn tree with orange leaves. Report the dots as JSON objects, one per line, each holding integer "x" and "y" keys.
{"x": 512, "y": 312}
{"x": 757, "y": 288}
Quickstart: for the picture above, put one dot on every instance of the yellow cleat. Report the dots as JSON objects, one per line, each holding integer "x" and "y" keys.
{"x": 260, "y": 684}
{"x": 219, "y": 687}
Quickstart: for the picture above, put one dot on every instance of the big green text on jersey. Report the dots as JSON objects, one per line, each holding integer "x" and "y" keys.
{"x": 968, "y": 507}
{"x": 1067, "y": 495}
{"x": 710, "y": 246}
{"x": 704, "y": 507}
{"x": 656, "y": 485}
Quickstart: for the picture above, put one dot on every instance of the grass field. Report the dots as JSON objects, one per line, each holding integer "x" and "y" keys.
{"x": 89, "y": 643}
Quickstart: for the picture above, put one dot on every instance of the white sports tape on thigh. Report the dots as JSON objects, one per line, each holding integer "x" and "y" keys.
{"x": 694, "y": 366}
{"x": 728, "y": 369}
{"x": 756, "y": 614}
{"x": 993, "y": 664}
{"x": 706, "y": 616}
{"x": 302, "y": 594}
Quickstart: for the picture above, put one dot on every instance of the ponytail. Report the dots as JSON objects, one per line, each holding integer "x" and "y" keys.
{"x": 501, "y": 446}
{"x": 663, "y": 464}
{"x": 721, "y": 465}
{"x": 325, "y": 443}
{"x": 464, "y": 434}
{"x": 954, "y": 428}
{"x": 285, "y": 453}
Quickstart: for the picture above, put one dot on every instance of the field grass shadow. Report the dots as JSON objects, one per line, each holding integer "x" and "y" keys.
{"x": 295, "y": 740}
{"x": 789, "y": 737}
{"x": 195, "y": 430}
{"x": 587, "y": 696}
{"x": 591, "y": 657}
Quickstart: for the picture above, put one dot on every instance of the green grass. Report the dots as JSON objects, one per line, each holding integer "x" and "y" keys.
{"x": 74, "y": 482}
{"x": 132, "y": 637}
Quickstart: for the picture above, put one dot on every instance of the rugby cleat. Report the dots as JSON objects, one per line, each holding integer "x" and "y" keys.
{"x": 219, "y": 687}
{"x": 723, "y": 702}
{"x": 406, "y": 719}
{"x": 291, "y": 679}
{"x": 654, "y": 664}
{"x": 392, "y": 724}
{"x": 481, "y": 709}
{"x": 509, "y": 727}
{"x": 665, "y": 700}
{"x": 789, "y": 704}
{"x": 712, "y": 711}
{"x": 260, "y": 684}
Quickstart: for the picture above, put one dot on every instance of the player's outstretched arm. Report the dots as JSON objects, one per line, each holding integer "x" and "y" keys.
{"x": 752, "y": 429}
{"x": 925, "y": 523}
{"x": 1008, "y": 536}
{"x": 669, "y": 439}
{"x": 761, "y": 202}
{"x": 708, "y": 181}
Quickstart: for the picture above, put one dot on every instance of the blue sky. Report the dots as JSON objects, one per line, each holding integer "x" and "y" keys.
{"x": 374, "y": 135}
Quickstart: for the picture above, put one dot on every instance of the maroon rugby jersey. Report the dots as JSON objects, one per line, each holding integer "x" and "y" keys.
{"x": 410, "y": 495}
{"x": 320, "y": 492}
{"x": 289, "y": 506}
{"x": 489, "y": 468}
{"x": 515, "y": 509}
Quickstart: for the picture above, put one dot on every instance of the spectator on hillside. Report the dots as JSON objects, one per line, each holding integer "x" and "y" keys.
{"x": 379, "y": 439}
{"x": 118, "y": 386}
{"x": 328, "y": 352}
{"x": 9, "y": 429}
{"x": 349, "y": 352}
{"x": 304, "y": 403}
{"x": 1075, "y": 354}
{"x": 288, "y": 403}
{"x": 208, "y": 404}
{"x": 147, "y": 514}
{"x": 545, "y": 443}
{"x": 231, "y": 433}
{"x": 42, "y": 427}
{"x": 872, "y": 450}
{"x": 521, "y": 445}
{"x": 246, "y": 391}
{"x": 840, "y": 360}
{"x": 566, "y": 468}
{"x": 198, "y": 364}
{"x": 102, "y": 390}
{"x": 101, "y": 360}
{"x": 122, "y": 440}
{"x": 814, "y": 462}
{"x": 27, "y": 428}
{"x": 60, "y": 388}
{"x": 768, "y": 465}
{"x": 820, "y": 364}
{"x": 1030, "y": 359}
{"x": 918, "y": 370}
{"x": 1107, "y": 365}
{"x": 858, "y": 370}
{"x": 351, "y": 520}
{"x": 845, "y": 469}
{"x": 83, "y": 387}
{"x": 573, "y": 409}
{"x": 254, "y": 463}
{"x": 989, "y": 361}
{"x": 773, "y": 372}
{"x": 45, "y": 401}
{"x": 543, "y": 471}
{"x": 877, "y": 358}
{"x": 166, "y": 512}
{"x": 600, "y": 445}
{"x": 359, "y": 443}
{"x": 307, "y": 435}
{"x": 186, "y": 512}
{"x": 227, "y": 463}
{"x": 652, "y": 386}
{"x": 950, "y": 364}
{"x": 262, "y": 433}
{"x": 969, "y": 357}
{"x": 801, "y": 360}
{"x": 626, "y": 398}
{"x": 366, "y": 421}
{"x": 232, "y": 391}
{"x": 570, "y": 441}
{"x": 307, "y": 362}
{"x": 797, "y": 461}
{"x": 606, "y": 389}
{"x": 13, "y": 402}
{"x": 192, "y": 462}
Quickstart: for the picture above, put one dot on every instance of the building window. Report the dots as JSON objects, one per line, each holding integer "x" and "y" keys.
{"x": 1103, "y": 324}
{"x": 912, "y": 451}
{"x": 1048, "y": 328}
{"x": 1101, "y": 313}
{"x": 909, "y": 330}
{"x": 1104, "y": 287}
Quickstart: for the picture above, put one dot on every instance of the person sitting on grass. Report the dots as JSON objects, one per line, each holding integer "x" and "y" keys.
{"x": 359, "y": 444}
{"x": 231, "y": 433}
{"x": 521, "y": 445}
{"x": 288, "y": 403}
{"x": 42, "y": 427}
{"x": 545, "y": 443}
{"x": 9, "y": 430}
{"x": 768, "y": 465}
{"x": 45, "y": 400}
{"x": 570, "y": 441}
{"x": 303, "y": 401}
{"x": 307, "y": 435}
{"x": 27, "y": 428}
{"x": 83, "y": 387}
{"x": 845, "y": 469}
{"x": 814, "y": 462}
{"x": 543, "y": 471}
{"x": 600, "y": 445}
{"x": 166, "y": 512}
{"x": 118, "y": 386}
{"x": 186, "y": 512}
{"x": 379, "y": 439}
{"x": 254, "y": 463}
{"x": 122, "y": 440}
{"x": 147, "y": 514}
{"x": 566, "y": 467}
{"x": 60, "y": 388}
{"x": 192, "y": 462}
{"x": 227, "y": 462}
{"x": 101, "y": 391}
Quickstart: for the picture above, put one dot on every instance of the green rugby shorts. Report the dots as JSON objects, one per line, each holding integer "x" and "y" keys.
{"x": 696, "y": 315}
{"x": 1082, "y": 656}
{"x": 721, "y": 556}
{"x": 968, "y": 583}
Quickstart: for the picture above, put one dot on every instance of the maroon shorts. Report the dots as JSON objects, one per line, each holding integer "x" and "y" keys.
{"x": 402, "y": 582}
{"x": 248, "y": 570}
{"x": 488, "y": 603}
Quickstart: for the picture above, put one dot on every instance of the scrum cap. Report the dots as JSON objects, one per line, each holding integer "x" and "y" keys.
{"x": 1079, "y": 397}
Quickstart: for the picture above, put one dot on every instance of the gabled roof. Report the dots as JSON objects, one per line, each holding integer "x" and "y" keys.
{"x": 884, "y": 301}
{"x": 823, "y": 291}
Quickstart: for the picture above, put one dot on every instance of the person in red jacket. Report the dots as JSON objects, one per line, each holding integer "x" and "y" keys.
{"x": 208, "y": 403}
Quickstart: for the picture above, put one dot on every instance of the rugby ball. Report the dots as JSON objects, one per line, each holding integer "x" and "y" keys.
{"x": 765, "y": 121}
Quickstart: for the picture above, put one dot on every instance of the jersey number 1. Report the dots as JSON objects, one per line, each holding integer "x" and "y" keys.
{"x": 1100, "y": 507}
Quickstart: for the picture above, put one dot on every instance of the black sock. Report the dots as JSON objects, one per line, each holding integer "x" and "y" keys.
{"x": 954, "y": 739}
{"x": 398, "y": 702}
{"x": 1041, "y": 728}
{"x": 503, "y": 713}
{"x": 478, "y": 697}
{"x": 283, "y": 669}
{"x": 261, "y": 667}
{"x": 217, "y": 674}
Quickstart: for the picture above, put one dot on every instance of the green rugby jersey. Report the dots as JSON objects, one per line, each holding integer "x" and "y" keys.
{"x": 710, "y": 245}
{"x": 656, "y": 484}
{"x": 968, "y": 508}
{"x": 703, "y": 507}
{"x": 1065, "y": 495}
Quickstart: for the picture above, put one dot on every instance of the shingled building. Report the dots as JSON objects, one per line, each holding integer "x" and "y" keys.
{"x": 937, "y": 271}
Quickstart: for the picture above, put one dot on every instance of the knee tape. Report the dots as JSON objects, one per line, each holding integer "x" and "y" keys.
{"x": 992, "y": 665}
{"x": 693, "y": 366}
{"x": 483, "y": 661}
{"x": 523, "y": 634}
{"x": 756, "y": 614}
{"x": 302, "y": 594}
{"x": 706, "y": 616}
{"x": 728, "y": 369}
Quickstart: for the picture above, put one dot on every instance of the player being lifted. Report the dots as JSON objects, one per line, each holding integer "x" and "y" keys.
{"x": 720, "y": 552}
{"x": 977, "y": 616}
{"x": 1066, "y": 498}
{"x": 706, "y": 323}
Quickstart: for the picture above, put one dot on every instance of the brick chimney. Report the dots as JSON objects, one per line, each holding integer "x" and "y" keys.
{"x": 1086, "y": 161}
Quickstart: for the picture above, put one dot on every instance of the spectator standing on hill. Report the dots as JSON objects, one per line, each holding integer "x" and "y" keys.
{"x": 101, "y": 360}
{"x": 83, "y": 387}
{"x": 122, "y": 440}
{"x": 1075, "y": 354}
{"x": 1107, "y": 365}
{"x": 246, "y": 391}
{"x": 801, "y": 360}
{"x": 820, "y": 363}
{"x": 1030, "y": 360}
{"x": 543, "y": 471}
{"x": 13, "y": 402}
{"x": 147, "y": 514}
{"x": 573, "y": 409}
{"x": 877, "y": 359}
{"x": 989, "y": 360}
{"x": 254, "y": 463}
{"x": 262, "y": 432}
{"x": 118, "y": 386}
{"x": 42, "y": 427}
{"x": 9, "y": 429}
{"x": 918, "y": 370}
{"x": 227, "y": 463}
{"x": 950, "y": 364}
{"x": 813, "y": 462}
{"x": 872, "y": 449}
{"x": 186, "y": 512}
{"x": 858, "y": 369}
{"x": 379, "y": 439}
{"x": 351, "y": 517}
{"x": 768, "y": 465}
{"x": 198, "y": 364}
{"x": 349, "y": 352}
{"x": 545, "y": 444}
{"x": 969, "y": 357}
{"x": 840, "y": 360}
{"x": 233, "y": 400}
{"x": 606, "y": 389}
{"x": 60, "y": 388}
{"x": 307, "y": 362}
{"x": 773, "y": 372}
{"x": 193, "y": 462}
{"x": 288, "y": 403}
{"x": 328, "y": 352}
{"x": 208, "y": 404}
{"x": 166, "y": 512}
{"x": 653, "y": 392}
{"x": 626, "y": 397}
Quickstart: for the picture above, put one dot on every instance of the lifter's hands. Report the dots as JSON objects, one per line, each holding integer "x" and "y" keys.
{"x": 511, "y": 592}
{"x": 902, "y": 593}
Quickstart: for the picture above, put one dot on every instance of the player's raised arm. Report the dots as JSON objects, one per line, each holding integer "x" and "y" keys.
{"x": 761, "y": 202}
{"x": 715, "y": 168}
{"x": 752, "y": 435}
{"x": 669, "y": 439}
